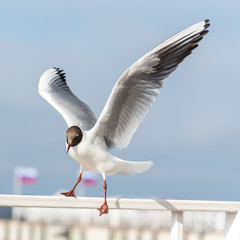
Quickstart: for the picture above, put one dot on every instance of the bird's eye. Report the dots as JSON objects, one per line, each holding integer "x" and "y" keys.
{"x": 75, "y": 139}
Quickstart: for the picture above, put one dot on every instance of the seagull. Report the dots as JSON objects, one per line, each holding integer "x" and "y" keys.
{"x": 89, "y": 138}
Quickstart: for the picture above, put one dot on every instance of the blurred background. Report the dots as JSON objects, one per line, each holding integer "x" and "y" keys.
{"x": 192, "y": 132}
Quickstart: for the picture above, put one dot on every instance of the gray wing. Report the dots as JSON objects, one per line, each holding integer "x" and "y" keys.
{"x": 135, "y": 91}
{"x": 53, "y": 87}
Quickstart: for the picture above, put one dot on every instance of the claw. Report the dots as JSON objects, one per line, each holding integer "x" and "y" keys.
{"x": 103, "y": 209}
{"x": 69, "y": 194}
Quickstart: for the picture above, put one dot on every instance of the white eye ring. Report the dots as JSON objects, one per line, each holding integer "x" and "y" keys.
{"x": 77, "y": 135}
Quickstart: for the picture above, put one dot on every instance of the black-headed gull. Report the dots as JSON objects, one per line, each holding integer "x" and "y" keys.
{"x": 89, "y": 138}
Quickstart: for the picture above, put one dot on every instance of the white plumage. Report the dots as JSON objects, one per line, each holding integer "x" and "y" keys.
{"x": 129, "y": 102}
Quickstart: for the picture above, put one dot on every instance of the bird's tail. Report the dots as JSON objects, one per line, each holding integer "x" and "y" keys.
{"x": 131, "y": 168}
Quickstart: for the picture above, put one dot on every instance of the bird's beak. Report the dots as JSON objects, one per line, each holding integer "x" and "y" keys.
{"x": 69, "y": 145}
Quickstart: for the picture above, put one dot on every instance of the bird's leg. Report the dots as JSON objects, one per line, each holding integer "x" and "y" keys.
{"x": 71, "y": 192}
{"x": 104, "y": 208}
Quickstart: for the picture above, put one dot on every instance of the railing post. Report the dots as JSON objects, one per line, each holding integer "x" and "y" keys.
{"x": 232, "y": 226}
{"x": 177, "y": 226}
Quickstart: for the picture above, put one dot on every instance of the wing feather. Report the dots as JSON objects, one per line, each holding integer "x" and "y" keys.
{"x": 53, "y": 87}
{"x": 135, "y": 91}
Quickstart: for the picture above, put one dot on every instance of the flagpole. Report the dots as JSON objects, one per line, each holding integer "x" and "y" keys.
{"x": 82, "y": 190}
{"x": 22, "y": 175}
{"x": 17, "y": 189}
{"x": 17, "y": 185}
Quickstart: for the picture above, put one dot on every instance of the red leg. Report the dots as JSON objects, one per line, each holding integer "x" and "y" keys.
{"x": 104, "y": 208}
{"x": 71, "y": 192}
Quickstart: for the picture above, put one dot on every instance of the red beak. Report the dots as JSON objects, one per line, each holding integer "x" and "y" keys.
{"x": 69, "y": 145}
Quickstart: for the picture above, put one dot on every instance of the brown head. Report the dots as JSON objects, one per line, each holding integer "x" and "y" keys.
{"x": 74, "y": 136}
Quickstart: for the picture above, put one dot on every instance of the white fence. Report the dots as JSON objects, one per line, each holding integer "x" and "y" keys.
{"x": 176, "y": 207}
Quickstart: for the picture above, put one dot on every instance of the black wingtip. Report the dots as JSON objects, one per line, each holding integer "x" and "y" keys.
{"x": 207, "y": 24}
{"x": 204, "y": 32}
{"x": 60, "y": 73}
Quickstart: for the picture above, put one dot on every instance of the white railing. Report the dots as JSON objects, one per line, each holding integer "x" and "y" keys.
{"x": 177, "y": 207}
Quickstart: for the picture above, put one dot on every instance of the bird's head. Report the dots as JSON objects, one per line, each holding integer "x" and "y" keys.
{"x": 74, "y": 136}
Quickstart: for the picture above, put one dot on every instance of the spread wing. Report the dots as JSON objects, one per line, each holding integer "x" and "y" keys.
{"x": 53, "y": 87}
{"x": 135, "y": 91}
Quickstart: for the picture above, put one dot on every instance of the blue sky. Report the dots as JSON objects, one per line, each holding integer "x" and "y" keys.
{"x": 192, "y": 133}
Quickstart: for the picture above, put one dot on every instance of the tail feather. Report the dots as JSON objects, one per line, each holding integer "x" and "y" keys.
{"x": 131, "y": 168}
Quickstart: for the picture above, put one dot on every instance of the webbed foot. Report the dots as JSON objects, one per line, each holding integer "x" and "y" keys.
{"x": 69, "y": 194}
{"x": 103, "y": 209}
